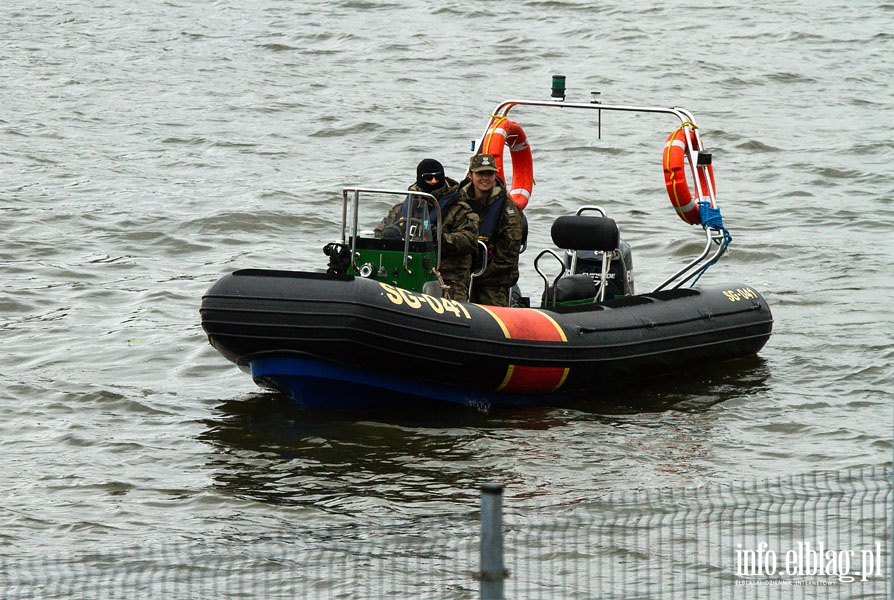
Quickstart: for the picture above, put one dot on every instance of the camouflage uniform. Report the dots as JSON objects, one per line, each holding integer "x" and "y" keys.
{"x": 460, "y": 235}
{"x": 504, "y": 245}
{"x": 459, "y": 240}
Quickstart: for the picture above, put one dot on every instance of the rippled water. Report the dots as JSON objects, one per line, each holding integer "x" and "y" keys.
{"x": 150, "y": 147}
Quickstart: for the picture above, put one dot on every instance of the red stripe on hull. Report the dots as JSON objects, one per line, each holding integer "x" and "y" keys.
{"x": 524, "y": 379}
{"x": 527, "y": 324}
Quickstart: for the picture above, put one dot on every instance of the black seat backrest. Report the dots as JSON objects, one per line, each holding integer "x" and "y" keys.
{"x": 585, "y": 233}
{"x": 581, "y": 234}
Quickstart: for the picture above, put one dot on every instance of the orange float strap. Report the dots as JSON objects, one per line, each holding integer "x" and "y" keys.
{"x": 500, "y": 132}
{"x": 679, "y": 149}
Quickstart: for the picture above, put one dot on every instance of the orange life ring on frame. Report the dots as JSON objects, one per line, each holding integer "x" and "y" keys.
{"x": 509, "y": 133}
{"x": 675, "y": 160}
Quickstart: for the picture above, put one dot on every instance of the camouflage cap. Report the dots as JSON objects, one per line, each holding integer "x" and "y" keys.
{"x": 483, "y": 162}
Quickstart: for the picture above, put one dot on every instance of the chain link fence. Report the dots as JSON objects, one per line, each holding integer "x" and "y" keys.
{"x": 819, "y": 535}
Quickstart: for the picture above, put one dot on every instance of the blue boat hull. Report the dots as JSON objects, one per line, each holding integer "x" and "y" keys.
{"x": 317, "y": 384}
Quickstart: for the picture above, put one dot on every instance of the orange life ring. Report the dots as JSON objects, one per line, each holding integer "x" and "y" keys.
{"x": 503, "y": 131}
{"x": 675, "y": 159}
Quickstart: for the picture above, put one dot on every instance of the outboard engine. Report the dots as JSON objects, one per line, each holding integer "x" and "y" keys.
{"x": 620, "y": 275}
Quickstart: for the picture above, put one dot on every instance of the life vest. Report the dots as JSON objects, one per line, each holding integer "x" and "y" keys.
{"x": 489, "y": 221}
{"x": 487, "y": 225}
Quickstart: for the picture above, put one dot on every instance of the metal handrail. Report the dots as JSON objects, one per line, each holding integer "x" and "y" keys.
{"x": 713, "y": 236}
{"x": 543, "y": 276}
{"x": 502, "y": 112}
{"x": 503, "y": 109}
{"x": 481, "y": 269}
{"x": 686, "y": 119}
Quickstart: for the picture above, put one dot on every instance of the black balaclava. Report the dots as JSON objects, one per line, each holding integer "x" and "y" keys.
{"x": 429, "y": 165}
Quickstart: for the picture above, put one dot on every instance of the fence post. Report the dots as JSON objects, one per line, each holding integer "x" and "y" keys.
{"x": 492, "y": 569}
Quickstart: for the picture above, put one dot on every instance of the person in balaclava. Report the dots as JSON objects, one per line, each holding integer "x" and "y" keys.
{"x": 430, "y": 178}
{"x": 459, "y": 228}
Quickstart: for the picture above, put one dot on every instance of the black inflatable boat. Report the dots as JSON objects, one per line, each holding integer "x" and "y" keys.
{"x": 376, "y": 329}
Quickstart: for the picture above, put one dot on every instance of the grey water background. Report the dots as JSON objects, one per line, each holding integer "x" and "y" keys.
{"x": 147, "y": 148}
